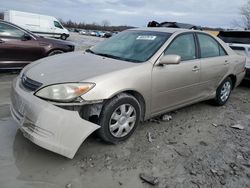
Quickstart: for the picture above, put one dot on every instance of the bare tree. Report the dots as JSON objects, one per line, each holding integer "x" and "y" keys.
{"x": 105, "y": 23}
{"x": 245, "y": 14}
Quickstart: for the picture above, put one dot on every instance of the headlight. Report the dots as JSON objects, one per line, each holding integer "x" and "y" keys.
{"x": 64, "y": 92}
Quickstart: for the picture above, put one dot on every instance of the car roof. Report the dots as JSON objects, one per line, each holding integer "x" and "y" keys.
{"x": 162, "y": 29}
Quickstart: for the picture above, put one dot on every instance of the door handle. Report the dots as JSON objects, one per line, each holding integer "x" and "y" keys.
{"x": 195, "y": 69}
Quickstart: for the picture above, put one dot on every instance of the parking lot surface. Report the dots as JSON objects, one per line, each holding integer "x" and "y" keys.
{"x": 197, "y": 148}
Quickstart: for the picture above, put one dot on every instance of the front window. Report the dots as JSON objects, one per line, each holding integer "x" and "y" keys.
{"x": 7, "y": 30}
{"x": 134, "y": 46}
{"x": 58, "y": 25}
{"x": 183, "y": 46}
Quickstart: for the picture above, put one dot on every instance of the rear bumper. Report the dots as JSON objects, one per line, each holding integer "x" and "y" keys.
{"x": 51, "y": 127}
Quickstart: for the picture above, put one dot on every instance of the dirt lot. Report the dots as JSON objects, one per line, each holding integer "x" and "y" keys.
{"x": 197, "y": 148}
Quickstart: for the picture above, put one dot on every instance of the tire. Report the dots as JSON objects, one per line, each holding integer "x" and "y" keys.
{"x": 63, "y": 37}
{"x": 119, "y": 118}
{"x": 223, "y": 92}
{"x": 54, "y": 52}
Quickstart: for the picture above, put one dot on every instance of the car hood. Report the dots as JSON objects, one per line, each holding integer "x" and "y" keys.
{"x": 73, "y": 67}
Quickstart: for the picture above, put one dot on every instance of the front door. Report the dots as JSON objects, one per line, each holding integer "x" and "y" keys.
{"x": 174, "y": 85}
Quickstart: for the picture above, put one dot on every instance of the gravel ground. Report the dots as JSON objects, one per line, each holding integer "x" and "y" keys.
{"x": 83, "y": 42}
{"x": 197, "y": 148}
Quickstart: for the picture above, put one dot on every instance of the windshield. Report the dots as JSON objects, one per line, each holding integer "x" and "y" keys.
{"x": 134, "y": 46}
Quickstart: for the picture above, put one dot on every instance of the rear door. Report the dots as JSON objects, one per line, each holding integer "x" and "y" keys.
{"x": 214, "y": 62}
{"x": 176, "y": 85}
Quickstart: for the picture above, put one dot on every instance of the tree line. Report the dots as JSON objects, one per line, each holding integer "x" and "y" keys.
{"x": 104, "y": 26}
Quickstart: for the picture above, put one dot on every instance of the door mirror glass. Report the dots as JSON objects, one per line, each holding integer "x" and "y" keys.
{"x": 26, "y": 37}
{"x": 170, "y": 59}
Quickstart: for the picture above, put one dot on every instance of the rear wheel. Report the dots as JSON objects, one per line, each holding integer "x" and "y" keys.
{"x": 223, "y": 92}
{"x": 119, "y": 118}
{"x": 54, "y": 52}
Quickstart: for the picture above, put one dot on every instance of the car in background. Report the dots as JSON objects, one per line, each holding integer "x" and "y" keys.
{"x": 83, "y": 32}
{"x": 18, "y": 47}
{"x": 174, "y": 25}
{"x": 108, "y": 34}
{"x": 100, "y": 34}
{"x": 92, "y": 33}
{"x": 58, "y": 102}
{"x": 239, "y": 41}
{"x": 47, "y": 26}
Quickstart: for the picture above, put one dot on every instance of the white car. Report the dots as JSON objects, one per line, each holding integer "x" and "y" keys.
{"x": 243, "y": 49}
{"x": 239, "y": 41}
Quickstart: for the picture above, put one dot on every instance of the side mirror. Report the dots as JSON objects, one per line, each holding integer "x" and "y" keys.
{"x": 26, "y": 37}
{"x": 170, "y": 59}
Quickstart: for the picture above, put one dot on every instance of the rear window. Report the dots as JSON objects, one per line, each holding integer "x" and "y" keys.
{"x": 237, "y": 48}
{"x": 240, "y": 37}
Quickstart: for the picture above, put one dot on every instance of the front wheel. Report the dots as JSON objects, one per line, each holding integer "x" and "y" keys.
{"x": 223, "y": 92}
{"x": 119, "y": 118}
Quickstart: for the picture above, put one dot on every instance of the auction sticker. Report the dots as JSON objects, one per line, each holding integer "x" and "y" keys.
{"x": 146, "y": 37}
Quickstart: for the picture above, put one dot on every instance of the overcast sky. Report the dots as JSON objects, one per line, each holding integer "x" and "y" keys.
{"x": 213, "y": 13}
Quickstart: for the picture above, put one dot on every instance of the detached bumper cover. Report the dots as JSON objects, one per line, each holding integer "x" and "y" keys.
{"x": 49, "y": 126}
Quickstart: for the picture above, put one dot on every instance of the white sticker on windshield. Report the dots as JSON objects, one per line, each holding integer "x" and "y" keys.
{"x": 146, "y": 37}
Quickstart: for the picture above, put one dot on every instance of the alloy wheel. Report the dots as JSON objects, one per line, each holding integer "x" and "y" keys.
{"x": 225, "y": 91}
{"x": 122, "y": 120}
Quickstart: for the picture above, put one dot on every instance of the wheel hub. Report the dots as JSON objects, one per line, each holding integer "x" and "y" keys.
{"x": 122, "y": 120}
{"x": 225, "y": 91}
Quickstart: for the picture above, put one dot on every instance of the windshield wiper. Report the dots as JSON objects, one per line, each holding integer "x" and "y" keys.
{"x": 117, "y": 57}
{"x": 112, "y": 56}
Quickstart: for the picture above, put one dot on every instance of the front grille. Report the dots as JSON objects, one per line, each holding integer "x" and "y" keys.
{"x": 30, "y": 84}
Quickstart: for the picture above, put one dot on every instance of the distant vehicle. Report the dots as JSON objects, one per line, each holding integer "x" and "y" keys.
{"x": 83, "y": 32}
{"x": 99, "y": 34}
{"x": 58, "y": 102}
{"x": 92, "y": 33}
{"x": 239, "y": 41}
{"x": 18, "y": 47}
{"x": 108, "y": 34}
{"x": 43, "y": 25}
{"x": 76, "y": 30}
{"x": 174, "y": 25}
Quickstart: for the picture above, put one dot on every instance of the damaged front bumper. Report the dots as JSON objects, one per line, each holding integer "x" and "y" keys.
{"x": 51, "y": 127}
